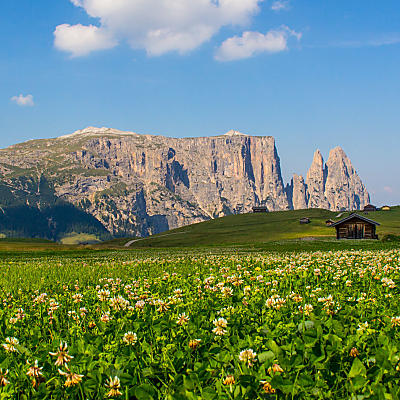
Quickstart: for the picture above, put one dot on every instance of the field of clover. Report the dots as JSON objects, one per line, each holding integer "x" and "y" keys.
{"x": 322, "y": 325}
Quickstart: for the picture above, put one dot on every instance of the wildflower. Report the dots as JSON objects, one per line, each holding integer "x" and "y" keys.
{"x": 91, "y": 324}
{"x": 268, "y": 389}
{"x": 307, "y": 309}
{"x": 182, "y": 319}
{"x": 226, "y": 291}
{"x": 114, "y": 385}
{"x": 163, "y": 306}
{"x": 354, "y": 352}
{"x": 119, "y": 303}
{"x": 10, "y": 345}
{"x": 194, "y": 343}
{"x": 395, "y": 321}
{"x": 3, "y": 379}
{"x": 63, "y": 358}
{"x": 276, "y": 368}
{"x": 248, "y": 356}
{"x": 130, "y": 338}
{"x": 362, "y": 326}
{"x": 103, "y": 294}
{"x": 140, "y": 304}
{"x": 35, "y": 372}
{"x": 105, "y": 317}
{"x": 220, "y": 325}
{"x": 296, "y": 298}
{"x": 20, "y": 314}
{"x": 77, "y": 297}
{"x": 229, "y": 380}
{"x": 72, "y": 378}
{"x": 275, "y": 302}
{"x": 317, "y": 272}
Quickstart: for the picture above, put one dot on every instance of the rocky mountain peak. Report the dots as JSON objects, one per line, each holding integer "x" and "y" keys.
{"x": 234, "y": 133}
{"x": 93, "y": 131}
{"x": 143, "y": 184}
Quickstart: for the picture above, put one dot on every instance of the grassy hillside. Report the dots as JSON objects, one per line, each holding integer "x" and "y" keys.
{"x": 260, "y": 229}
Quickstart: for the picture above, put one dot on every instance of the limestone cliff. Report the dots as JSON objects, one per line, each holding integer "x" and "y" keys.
{"x": 143, "y": 184}
{"x": 334, "y": 185}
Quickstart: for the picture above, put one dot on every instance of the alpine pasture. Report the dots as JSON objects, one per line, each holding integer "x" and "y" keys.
{"x": 200, "y": 325}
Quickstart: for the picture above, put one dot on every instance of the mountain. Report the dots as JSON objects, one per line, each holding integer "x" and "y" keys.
{"x": 131, "y": 184}
{"x": 332, "y": 186}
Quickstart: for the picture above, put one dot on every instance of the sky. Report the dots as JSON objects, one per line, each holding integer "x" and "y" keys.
{"x": 313, "y": 74}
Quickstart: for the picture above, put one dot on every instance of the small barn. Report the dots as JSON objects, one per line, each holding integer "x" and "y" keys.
{"x": 305, "y": 221}
{"x": 329, "y": 222}
{"x": 369, "y": 207}
{"x": 260, "y": 209}
{"x": 356, "y": 227}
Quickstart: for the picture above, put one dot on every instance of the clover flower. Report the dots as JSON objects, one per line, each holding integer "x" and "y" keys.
{"x": 3, "y": 380}
{"x": 354, "y": 352}
{"x": 106, "y": 317}
{"x": 10, "y": 345}
{"x": 130, "y": 338}
{"x": 194, "y": 343}
{"x": 63, "y": 358}
{"x": 307, "y": 309}
{"x": 248, "y": 356}
{"x": 182, "y": 319}
{"x": 220, "y": 325}
{"x": 72, "y": 378}
{"x": 229, "y": 380}
{"x": 276, "y": 368}
{"x": 103, "y": 295}
{"x": 140, "y": 304}
{"x": 114, "y": 385}
{"x": 118, "y": 303}
{"x": 268, "y": 389}
{"x": 35, "y": 372}
{"x": 77, "y": 297}
{"x": 395, "y": 321}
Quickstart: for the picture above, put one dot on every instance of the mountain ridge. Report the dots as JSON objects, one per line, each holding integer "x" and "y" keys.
{"x": 136, "y": 185}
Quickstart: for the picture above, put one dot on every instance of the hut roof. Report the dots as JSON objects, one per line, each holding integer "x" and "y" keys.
{"x": 351, "y": 216}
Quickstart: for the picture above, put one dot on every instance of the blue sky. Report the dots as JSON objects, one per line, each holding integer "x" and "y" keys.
{"x": 313, "y": 74}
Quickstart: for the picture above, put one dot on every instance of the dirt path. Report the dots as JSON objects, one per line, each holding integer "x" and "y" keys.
{"x": 138, "y": 240}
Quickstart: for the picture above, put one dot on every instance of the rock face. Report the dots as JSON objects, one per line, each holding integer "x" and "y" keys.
{"x": 142, "y": 184}
{"x": 297, "y": 193}
{"x": 315, "y": 182}
{"x": 334, "y": 185}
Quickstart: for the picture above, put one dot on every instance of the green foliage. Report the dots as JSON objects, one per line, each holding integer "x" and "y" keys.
{"x": 291, "y": 326}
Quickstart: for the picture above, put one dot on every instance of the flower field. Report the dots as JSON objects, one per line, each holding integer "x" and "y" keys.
{"x": 318, "y": 325}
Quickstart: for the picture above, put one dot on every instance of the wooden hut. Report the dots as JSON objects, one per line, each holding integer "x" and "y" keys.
{"x": 356, "y": 227}
{"x": 329, "y": 222}
{"x": 385, "y": 208}
{"x": 260, "y": 209}
{"x": 369, "y": 207}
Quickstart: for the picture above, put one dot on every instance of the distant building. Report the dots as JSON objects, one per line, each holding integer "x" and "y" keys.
{"x": 369, "y": 207}
{"x": 356, "y": 227}
{"x": 385, "y": 208}
{"x": 260, "y": 209}
{"x": 329, "y": 222}
{"x": 305, "y": 220}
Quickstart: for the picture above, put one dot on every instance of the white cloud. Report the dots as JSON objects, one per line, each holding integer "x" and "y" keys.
{"x": 80, "y": 40}
{"x": 158, "y": 26}
{"x": 23, "y": 101}
{"x": 280, "y": 5}
{"x": 252, "y": 43}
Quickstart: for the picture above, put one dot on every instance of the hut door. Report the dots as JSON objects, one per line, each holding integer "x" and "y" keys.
{"x": 355, "y": 231}
{"x": 359, "y": 233}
